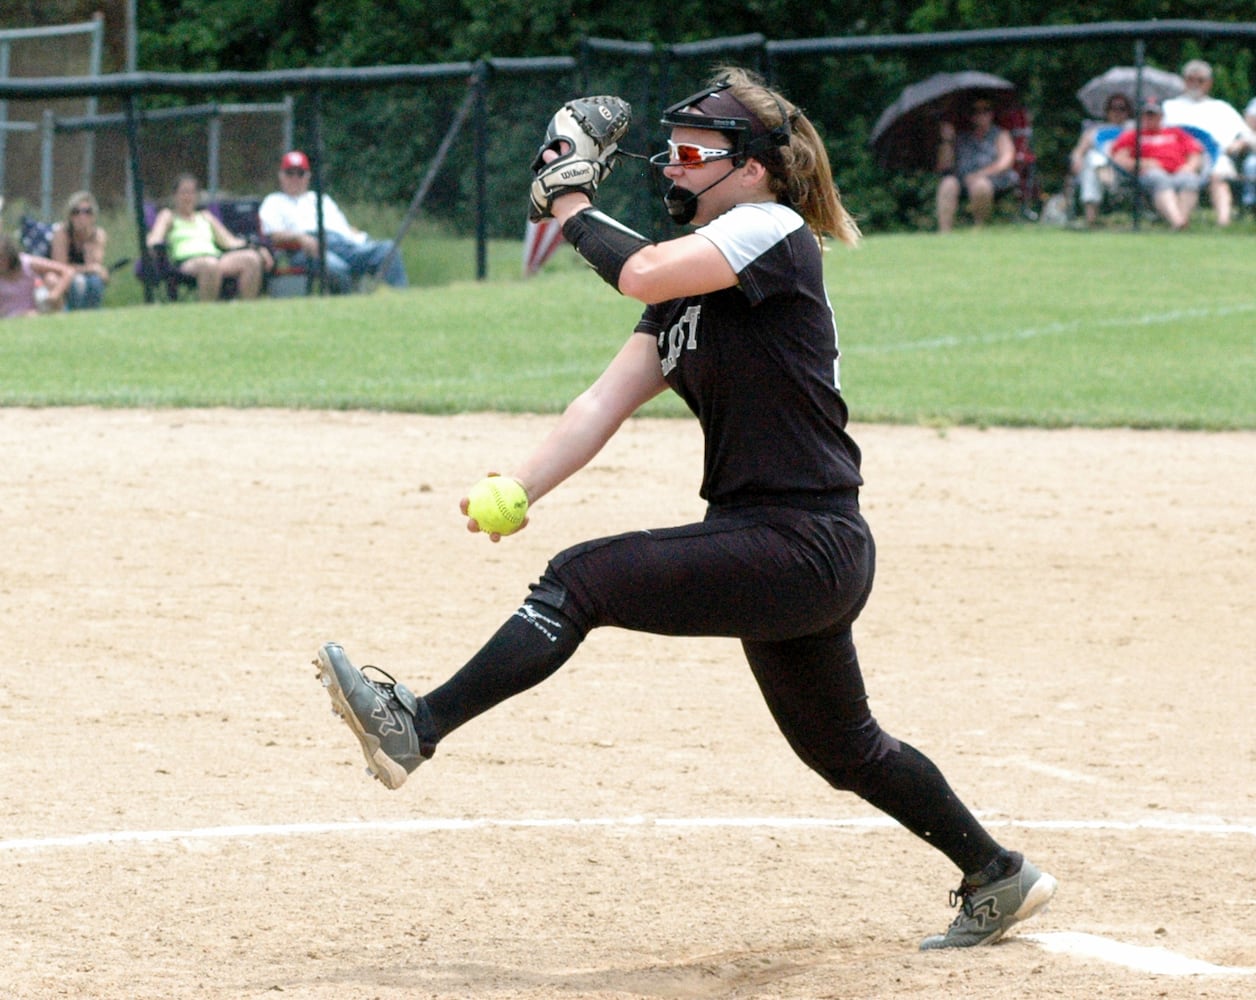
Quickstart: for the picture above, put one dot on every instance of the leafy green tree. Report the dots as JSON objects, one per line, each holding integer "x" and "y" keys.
{"x": 379, "y": 142}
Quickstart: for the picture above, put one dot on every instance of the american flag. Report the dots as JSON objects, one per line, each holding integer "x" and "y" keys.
{"x": 540, "y": 240}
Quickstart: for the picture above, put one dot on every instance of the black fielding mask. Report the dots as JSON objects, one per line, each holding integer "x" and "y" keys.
{"x": 681, "y": 205}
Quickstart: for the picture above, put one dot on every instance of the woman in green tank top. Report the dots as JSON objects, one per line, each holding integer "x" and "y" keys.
{"x": 201, "y": 246}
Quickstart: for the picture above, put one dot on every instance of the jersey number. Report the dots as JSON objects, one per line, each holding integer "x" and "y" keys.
{"x": 682, "y": 336}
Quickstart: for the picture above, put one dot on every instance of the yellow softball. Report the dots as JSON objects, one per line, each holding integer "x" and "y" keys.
{"x": 498, "y": 504}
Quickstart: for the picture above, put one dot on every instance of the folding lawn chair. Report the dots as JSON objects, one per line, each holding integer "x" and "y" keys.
{"x": 286, "y": 278}
{"x": 240, "y": 217}
{"x": 1119, "y": 184}
{"x": 1018, "y": 121}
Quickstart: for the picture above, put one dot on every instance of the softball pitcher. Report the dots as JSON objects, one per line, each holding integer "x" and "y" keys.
{"x": 738, "y": 323}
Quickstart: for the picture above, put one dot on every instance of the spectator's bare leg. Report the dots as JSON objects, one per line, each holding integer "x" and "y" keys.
{"x": 1188, "y": 198}
{"x": 980, "y": 199}
{"x": 1222, "y": 199}
{"x": 948, "y": 202}
{"x": 246, "y": 267}
{"x": 208, "y": 276}
{"x": 1167, "y": 204}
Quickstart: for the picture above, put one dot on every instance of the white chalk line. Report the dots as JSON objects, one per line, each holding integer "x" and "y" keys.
{"x": 1152, "y": 960}
{"x": 1052, "y": 330}
{"x": 1177, "y": 824}
{"x": 1157, "y": 961}
{"x": 1048, "y": 770}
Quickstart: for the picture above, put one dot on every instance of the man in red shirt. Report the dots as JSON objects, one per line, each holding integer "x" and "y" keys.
{"x": 1170, "y": 164}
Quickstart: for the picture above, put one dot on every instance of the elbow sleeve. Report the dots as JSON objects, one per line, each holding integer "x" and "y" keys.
{"x": 604, "y": 243}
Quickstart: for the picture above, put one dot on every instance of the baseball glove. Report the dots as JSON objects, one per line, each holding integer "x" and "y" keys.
{"x": 585, "y": 134}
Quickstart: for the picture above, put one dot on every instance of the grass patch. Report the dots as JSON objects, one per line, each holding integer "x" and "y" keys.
{"x": 1017, "y": 325}
{"x": 1050, "y": 328}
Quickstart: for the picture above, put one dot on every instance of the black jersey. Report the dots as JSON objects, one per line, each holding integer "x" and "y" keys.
{"x": 758, "y": 365}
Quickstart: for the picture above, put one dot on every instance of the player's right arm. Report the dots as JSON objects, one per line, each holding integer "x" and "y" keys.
{"x": 631, "y": 379}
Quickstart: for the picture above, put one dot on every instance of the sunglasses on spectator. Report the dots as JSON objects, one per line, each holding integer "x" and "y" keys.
{"x": 982, "y": 109}
{"x": 83, "y": 210}
{"x": 294, "y": 172}
{"x": 689, "y": 155}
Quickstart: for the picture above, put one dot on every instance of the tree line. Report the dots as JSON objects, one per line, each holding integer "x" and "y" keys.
{"x": 368, "y": 135}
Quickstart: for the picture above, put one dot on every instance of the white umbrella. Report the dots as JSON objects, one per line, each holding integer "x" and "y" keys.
{"x": 1124, "y": 80}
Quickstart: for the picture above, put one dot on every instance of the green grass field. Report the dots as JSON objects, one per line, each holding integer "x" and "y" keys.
{"x": 1017, "y": 325}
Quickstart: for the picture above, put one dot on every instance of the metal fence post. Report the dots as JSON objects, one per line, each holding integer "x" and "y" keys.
{"x": 47, "y": 135}
{"x": 479, "y": 79}
{"x": 287, "y": 122}
{"x": 1140, "y": 56}
{"x": 316, "y": 165}
{"x": 137, "y": 195}
{"x": 213, "y": 138}
{"x": 4, "y": 107}
{"x": 88, "y": 177}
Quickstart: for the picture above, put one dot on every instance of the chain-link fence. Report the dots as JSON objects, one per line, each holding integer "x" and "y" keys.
{"x": 374, "y": 132}
{"x": 65, "y": 50}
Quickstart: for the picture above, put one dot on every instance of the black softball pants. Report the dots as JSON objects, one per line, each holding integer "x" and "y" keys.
{"x": 789, "y": 584}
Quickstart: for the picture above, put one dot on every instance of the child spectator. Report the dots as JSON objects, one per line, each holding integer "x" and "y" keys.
{"x": 23, "y": 276}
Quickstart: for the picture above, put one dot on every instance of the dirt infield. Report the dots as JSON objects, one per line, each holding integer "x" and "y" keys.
{"x": 1064, "y": 620}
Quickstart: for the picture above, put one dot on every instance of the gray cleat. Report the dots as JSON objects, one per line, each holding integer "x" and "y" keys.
{"x": 986, "y": 912}
{"x": 394, "y": 727}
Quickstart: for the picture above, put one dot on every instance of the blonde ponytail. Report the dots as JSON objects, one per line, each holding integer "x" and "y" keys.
{"x": 800, "y": 174}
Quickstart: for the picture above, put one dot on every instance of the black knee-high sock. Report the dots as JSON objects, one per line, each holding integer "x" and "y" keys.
{"x": 907, "y": 786}
{"x": 534, "y": 642}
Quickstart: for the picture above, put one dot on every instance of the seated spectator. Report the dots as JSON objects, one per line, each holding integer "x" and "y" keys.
{"x": 200, "y": 246}
{"x": 1221, "y": 121}
{"x": 977, "y": 161}
{"x": 80, "y": 242}
{"x": 1088, "y": 164}
{"x": 289, "y": 216}
{"x": 1170, "y": 164}
{"x": 1249, "y": 161}
{"x": 24, "y": 276}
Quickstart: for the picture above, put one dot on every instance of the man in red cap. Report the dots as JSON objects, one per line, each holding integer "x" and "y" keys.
{"x": 1169, "y": 160}
{"x": 289, "y": 216}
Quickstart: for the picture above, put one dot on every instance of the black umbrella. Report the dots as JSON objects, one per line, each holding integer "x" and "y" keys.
{"x": 906, "y": 136}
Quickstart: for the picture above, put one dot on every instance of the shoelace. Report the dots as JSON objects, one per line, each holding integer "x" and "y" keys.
{"x": 422, "y": 722}
{"x": 962, "y": 897}
{"x": 392, "y": 681}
